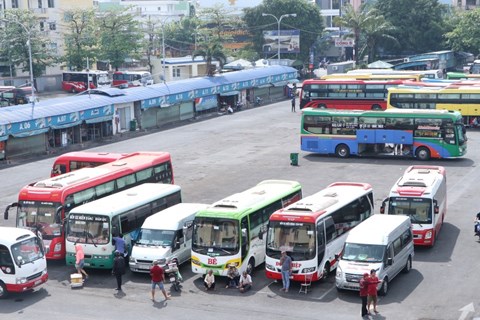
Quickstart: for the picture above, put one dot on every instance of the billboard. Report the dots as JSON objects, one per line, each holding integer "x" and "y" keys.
{"x": 289, "y": 41}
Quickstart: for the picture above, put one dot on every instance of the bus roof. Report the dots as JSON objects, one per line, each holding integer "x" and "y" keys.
{"x": 376, "y": 229}
{"x": 419, "y": 181}
{"x": 420, "y": 113}
{"x": 10, "y": 235}
{"x": 439, "y": 89}
{"x": 168, "y": 218}
{"x": 87, "y": 72}
{"x": 369, "y": 76}
{"x": 355, "y": 81}
{"x": 310, "y": 208}
{"x": 127, "y": 199}
{"x": 238, "y": 204}
{"x": 86, "y": 156}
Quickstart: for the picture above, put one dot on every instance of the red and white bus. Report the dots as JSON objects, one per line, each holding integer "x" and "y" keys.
{"x": 72, "y": 161}
{"x": 346, "y": 94}
{"x": 78, "y": 81}
{"x": 43, "y": 206}
{"x": 124, "y": 79}
{"x": 313, "y": 230}
{"x": 421, "y": 194}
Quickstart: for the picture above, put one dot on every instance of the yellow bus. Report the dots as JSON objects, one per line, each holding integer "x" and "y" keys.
{"x": 369, "y": 76}
{"x": 465, "y": 99}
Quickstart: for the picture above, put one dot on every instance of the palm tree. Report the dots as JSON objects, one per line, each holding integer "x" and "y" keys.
{"x": 374, "y": 31}
{"x": 356, "y": 21}
{"x": 210, "y": 51}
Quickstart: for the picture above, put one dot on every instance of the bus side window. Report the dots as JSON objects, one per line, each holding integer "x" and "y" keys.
{"x": 5, "y": 258}
{"x": 330, "y": 230}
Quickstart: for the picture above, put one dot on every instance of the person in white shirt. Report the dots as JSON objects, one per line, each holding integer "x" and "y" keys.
{"x": 245, "y": 282}
{"x": 209, "y": 281}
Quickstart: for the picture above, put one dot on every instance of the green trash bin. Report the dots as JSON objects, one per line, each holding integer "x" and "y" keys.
{"x": 133, "y": 125}
{"x": 294, "y": 159}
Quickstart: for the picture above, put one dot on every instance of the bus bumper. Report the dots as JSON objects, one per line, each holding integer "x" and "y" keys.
{"x": 28, "y": 284}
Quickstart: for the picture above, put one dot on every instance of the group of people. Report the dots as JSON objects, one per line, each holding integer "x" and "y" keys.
{"x": 234, "y": 280}
{"x": 368, "y": 292}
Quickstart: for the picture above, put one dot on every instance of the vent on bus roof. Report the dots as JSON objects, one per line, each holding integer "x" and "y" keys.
{"x": 300, "y": 209}
{"x": 225, "y": 206}
{"x": 414, "y": 183}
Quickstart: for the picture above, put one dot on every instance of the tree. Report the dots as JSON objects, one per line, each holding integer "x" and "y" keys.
{"x": 374, "y": 31}
{"x": 80, "y": 41}
{"x": 419, "y": 24}
{"x": 465, "y": 35}
{"x": 181, "y": 36}
{"x": 210, "y": 50}
{"x": 120, "y": 37}
{"x": 20, "y": 28}
{"x": 308, "y": 20}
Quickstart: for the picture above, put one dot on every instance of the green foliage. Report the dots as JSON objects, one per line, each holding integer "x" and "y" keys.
{"x": 375, "y": 31}
{"x": 120, "y": 37}
{"x": 210, "y": 50}
{"x": 308, "y": 20}
{"x": 465, "y": 36}
{"x": 419, "y": 24}
{"x": 18, "y": 25}
{"x": 80, "y": 40}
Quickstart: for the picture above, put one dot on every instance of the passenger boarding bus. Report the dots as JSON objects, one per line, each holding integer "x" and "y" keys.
{"x": 94, "y": 224}
{"x": 42, "y": 206}
{"x": 313, "y": 230}
{"x": 231, "y": 231}
{"x": 72, "y": 161}
{"x": 22, "y": 261}
{"x": 79, "y": 81}
{"x": 421, "y": 194}
{"x": 423, "y": 134}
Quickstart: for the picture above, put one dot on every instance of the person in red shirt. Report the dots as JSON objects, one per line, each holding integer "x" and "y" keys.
{"x": 372, "y": 283}
{"x": 157, "y": 274}
{"x": 364, "y": 293}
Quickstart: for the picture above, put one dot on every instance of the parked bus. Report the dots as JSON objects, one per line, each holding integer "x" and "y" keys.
{"x": 421, "y": 194}
{"x": 464, "y": 99}
{"x": 428, "y": 74}
{"x": 79, "y": 81}
{"x": 313, "y": 230}
{"x": 231, "y": 231}
{"x": 11, "y": 96}
{"x": 42, "y": 206}
{"x": 22, "y": 261}
{"x": 94, "y": 224}
{"x": 346, "y": 94}
{"x": 124, "y": 79}
{"x": 462, "y": 76}
{"x": 72, "y": 161}
{"x": 368, "y": 76}
{"x": 423, "y": 134}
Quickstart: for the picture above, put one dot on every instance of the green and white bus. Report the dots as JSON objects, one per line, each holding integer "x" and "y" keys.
{"x": 231, "y": 231}
{"x": 95, "y": 223}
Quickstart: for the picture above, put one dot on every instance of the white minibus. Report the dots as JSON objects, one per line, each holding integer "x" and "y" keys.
{"x": 23, "y": 265}
{"x": 165, "y": 235}
{"x": 383, "y": 243}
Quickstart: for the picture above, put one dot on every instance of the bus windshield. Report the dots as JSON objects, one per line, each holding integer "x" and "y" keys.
{"x": 215, "y": 236}
{"x": 419, "y": 209}
{"x": 85, "y": 228}
{"x": 460, "y": 128}
{"x": 39, "y": 216}
{"x": 363, "y": 252}
{"x": 27, "y": 251}
{"x": 153, "y": 237}
{"x": 295, "y": 237}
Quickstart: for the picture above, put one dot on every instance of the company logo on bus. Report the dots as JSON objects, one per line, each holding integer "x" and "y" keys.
{"x": 212, "y": 261}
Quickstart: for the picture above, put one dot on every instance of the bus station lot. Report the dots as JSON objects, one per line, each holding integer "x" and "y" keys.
{"x": 216, "y": 158}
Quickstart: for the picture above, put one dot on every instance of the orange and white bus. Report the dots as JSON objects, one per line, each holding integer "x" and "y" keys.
{"x": 72, "y": 161}
{"x": 313, "y": 230}
{"x": 43, "y": 206}
{"x": 421, "y": 194}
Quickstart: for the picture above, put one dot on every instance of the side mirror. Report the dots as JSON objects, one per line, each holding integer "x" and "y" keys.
{"x": 389, "y": 261}
{"x": 7, "y": 209}
{"x": 384, "y": 204}
{"x": 436, "y": 209}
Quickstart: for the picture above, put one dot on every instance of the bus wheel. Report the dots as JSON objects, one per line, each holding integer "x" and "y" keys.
{"x": 326, "y": 271}
{"x": 250, "y": 266}
{"x": 408, "y": 266}
{"x": 342, "y": 151}
{"x": 3, "y": 290}
{"x": 376, "y": 107}
{"x": 322, "y": 106}
{"x": 423, "y": 154}
{"x": 73, "y": 90}
{"x": 384, "y": 289}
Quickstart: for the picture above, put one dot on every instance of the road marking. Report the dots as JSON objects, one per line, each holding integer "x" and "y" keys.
{"x": 466, "y": 310}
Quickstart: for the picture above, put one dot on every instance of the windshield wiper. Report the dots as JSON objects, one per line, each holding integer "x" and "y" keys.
{"x": 412, "y": 216}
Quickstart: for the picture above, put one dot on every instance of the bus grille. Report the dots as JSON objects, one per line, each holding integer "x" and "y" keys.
{"x": 34, "y": 276}
{"x": 350, "y": 277}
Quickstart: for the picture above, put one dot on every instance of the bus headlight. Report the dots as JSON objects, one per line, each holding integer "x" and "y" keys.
{"x": 57, "y": 247}
{"x": 196, "y": 262}
{"x": 20, "y": 280}
{"x": 132, "y": 259}
{"x": 269, "y": 267}
{"x": 308, "y": 270}
{"x": 428, "y": 235}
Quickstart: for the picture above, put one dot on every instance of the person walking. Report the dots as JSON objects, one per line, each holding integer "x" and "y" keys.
{"x": 293, "y": 102}
{"x": 79, "y": 260}
{"x": 364, "y": 293}
{"x": 245, "y": 282}
{"x": 157, "y": 274}
{"x": 372, "y": 297}
{"x": 118, "y": 269}
{"x": 286, "y": 263}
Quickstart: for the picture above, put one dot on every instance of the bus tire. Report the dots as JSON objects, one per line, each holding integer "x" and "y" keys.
{"x": 384, "y": 289}
{"x": 3, "y": 290}
{"x": 326, "y": 271}
{"x": 408, "y": 265}
{"x": 322, "y": 106}
{"x": 342, "y": 151}
{"x": 250, "y": 266}
{"x": 376, "y": 107}
{"x": 422, "y": 154}
{"x": 73, "y": 90}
